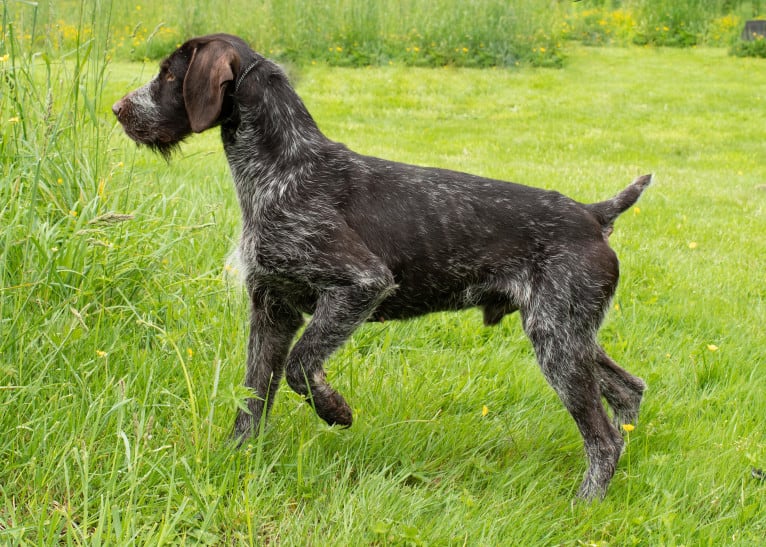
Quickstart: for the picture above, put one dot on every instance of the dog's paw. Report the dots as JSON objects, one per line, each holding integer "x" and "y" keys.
{"x": 333, "y": 409}
{"x": 245, "y": 428}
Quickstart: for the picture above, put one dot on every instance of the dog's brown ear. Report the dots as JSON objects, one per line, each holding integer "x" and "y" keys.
{"x": 210, "y": 69}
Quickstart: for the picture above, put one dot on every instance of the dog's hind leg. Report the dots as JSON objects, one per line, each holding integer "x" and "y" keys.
{"x": 273, "y": 325}
{"x": 563, "y": 337}
{"x": 622, "y": 390}
{"x": 568, "y": 367}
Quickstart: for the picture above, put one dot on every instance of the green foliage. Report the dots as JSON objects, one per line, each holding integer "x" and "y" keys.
{"x": 600, "y": 26}
{"x": 673, "y": 23}
{"x": 752, "y": 48}
{"x": 342, "y": 32}
{"x": 678, "y": 23}
{"x": 348, "y": 33}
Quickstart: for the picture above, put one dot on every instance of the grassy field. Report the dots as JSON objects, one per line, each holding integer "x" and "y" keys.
{"x": 122, "y": 334}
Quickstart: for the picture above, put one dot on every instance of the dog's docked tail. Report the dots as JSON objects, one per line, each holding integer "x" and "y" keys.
{"x": 606, "y": 212}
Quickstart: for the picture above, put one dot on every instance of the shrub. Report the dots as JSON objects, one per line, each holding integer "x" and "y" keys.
{"x": 723, "y": 31}
{"x": 753, "y": 48}
{"x": 678, "y": 23}
{"x": 598, "y": 27}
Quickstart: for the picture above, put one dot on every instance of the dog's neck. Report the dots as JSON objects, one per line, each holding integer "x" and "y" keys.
{"x": 270, "y": 139}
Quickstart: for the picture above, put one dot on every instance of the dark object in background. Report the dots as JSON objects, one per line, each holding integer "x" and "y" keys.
{"x": 753, "y": 29}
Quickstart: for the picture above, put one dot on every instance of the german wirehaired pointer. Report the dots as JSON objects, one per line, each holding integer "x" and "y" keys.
{"x": 349, "y": 238}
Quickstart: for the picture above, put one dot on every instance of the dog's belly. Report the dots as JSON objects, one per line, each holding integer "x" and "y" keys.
{"x": 398, "y": 307}
{"x": 406, "y": 303}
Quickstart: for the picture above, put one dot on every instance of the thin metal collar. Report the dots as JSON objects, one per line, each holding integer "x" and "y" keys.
{"x": 244, "y": 74}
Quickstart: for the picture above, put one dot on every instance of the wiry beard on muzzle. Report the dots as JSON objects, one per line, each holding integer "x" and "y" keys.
{"x": 165, "y": 149}
{"x": 156, "y": 139}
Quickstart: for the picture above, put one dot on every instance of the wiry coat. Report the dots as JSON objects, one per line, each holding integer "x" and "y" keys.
{"x": 349, "y": 238}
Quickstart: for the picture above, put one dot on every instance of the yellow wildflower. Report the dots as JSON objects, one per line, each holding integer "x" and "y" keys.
{"x": 484, "y": 410}
{"x": 628, "y": 427}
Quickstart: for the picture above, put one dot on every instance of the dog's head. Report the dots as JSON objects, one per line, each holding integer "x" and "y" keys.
{"x": 190, "y": 93}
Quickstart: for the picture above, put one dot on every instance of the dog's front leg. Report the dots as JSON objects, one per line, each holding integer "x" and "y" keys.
{"x": 339, "y": 311}
{"x": 273, "y": 325}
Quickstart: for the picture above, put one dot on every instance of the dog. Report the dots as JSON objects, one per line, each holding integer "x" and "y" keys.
{"x": 348, "y": 238}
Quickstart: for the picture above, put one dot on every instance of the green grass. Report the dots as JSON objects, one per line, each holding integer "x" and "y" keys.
{"x": 122, "y": 341}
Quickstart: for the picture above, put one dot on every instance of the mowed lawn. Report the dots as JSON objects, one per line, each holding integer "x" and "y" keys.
{"x": 118, "y": 388}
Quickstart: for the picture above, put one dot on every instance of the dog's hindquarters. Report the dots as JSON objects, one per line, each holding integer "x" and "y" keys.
{"x": 561, "y": 274}
{"x": 567, "y": 304}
